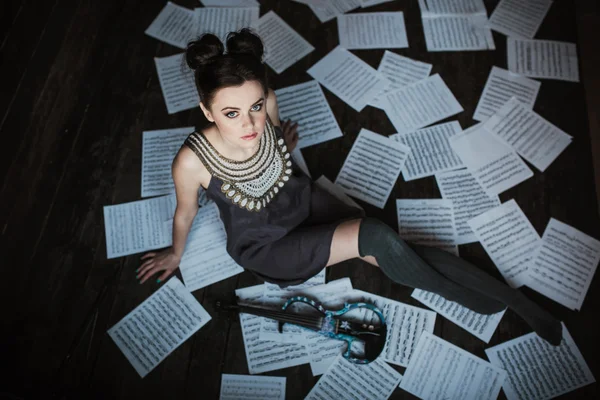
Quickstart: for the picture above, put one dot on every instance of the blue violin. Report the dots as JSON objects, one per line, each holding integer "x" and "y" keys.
{"x": 329, "y": 323}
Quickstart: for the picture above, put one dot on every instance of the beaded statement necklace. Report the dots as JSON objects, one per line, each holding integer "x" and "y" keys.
{"x": 253, "y": 183}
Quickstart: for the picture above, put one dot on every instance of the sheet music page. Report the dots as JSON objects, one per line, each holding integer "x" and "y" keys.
{"x": 205, "y": 259}
{"x": 428, "y": 222}
{"x": 482, "y": 326}
{"x": 248, "y": 387}
{"x": 332, "y": 8}
{"x": 230, "y": 3}
{"x": 348, "y": 77}
{"x": 166, "y": 319}
{"x": 159, "y": 148}
{"x": 174, "y": 25}
{"x": 400, "y": 71}
{"x": 534, "y": 138}
{"x": 300, "y": 161}
{"x": 369, "y": 3}
{"x": 458, "y": 33}
{"x": 494, "y": 164}
{"x": 138, "y": 226}
{"x": 420, "y": 104}
{"x": 517, "y": 18}
{"x": 283, "y": 45}
{"x": 176, "y": 83}
{"x": 375, "y": 30}
{"x": 323, "y": 351}
{"x": 372, "y": 167}
{"x": 441, "y": 370}
{"x": 306, "y": 104}
{"x": 509, "y": 239}
{"x": 345, "y": 380}
{"x": 222, "y": 20}
{"x": 500, "y": 87}
{"x": 336, "y": 191}
{"x": 265, "y": 356}
{"x": 468, "y": 200}
{"x": 543, "y": 59}
{"x": 430, "y": 151}
{"x": 564, "y": 264}
{"x": 431, "y": 8}
{"x": 538, "y": 370}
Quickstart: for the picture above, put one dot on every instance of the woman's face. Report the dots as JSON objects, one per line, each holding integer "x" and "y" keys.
{"x": 240, "y": 114}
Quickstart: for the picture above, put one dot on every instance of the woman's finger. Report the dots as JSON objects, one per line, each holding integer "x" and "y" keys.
{"x": 148, "y": 274}
{"x": 144, "y": 267}
{"x": 147, "y": 255}
{"x": 164, "y": 276}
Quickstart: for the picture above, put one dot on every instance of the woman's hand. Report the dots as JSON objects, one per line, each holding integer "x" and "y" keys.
{"x": 164, "y": 260}
{"x": 290, "y": 134}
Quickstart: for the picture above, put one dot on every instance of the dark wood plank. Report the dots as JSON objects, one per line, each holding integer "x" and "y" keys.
{"x": 9, "y": 12}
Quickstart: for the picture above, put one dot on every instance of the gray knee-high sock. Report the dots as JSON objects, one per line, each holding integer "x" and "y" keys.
{"x": 468, "y": 275}
{"x": 402, "y": 265}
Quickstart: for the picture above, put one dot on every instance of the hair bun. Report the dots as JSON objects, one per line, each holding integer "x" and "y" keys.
{"x": 200, "y": 51}
{"x": 245, "y": 42}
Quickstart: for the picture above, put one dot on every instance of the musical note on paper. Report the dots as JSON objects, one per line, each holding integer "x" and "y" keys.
{"x": 509, "y": 239}
{"x": 431, "y": 8}
{"x": 482, "y": 326}
{"x": 336, "y": 191}
{"x": 372, "y": 167}
{"x": 174, "y": 25}
{"x": 344, "y": 380}
{"x": 543, "y": 59}
{"x": 265, "y": 356}
{"x": 159, "y": 148}
{"x": 534, "y": 138}
{"x": 348, "y": 77}
{"x": 283, "y": 45}
{"x": 369, "y": 3}
{"x": 376, "y": 30}
{"x": 149, "y": 333}
{"x": 516, "y": 18}
{"x": 468, "y": 200}
{"x": 564, "y": 264}
{"x": 428, "y": 222}
{"x": 138, "y": 226}
{"x": 441, "y": 370}
{"x": 332, "y": 8}
{"x": 500, "y": 87}
{"x": 306, "y": 104}
{"x": 420, "y": 104}
{"x": 538, "y": 370}
{"x": 177, "y": 83}
{"x": 247, "y": 387}
{"x": 221, "y": 20}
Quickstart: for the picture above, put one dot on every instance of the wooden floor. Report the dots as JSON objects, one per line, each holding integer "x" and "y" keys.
{"x": 79, "y": 86}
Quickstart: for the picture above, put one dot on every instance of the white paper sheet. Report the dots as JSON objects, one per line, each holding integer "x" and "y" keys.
{"x": 564, "y": 264}
{"x": 205, "y": 259}
{"x": 283, "y": 45}
{"x": 494, "y": 164}
{"x": 509, "y": 239}
{"x": 176, "y": 83}
{"x": 265, "y": 356}
{"x": 482, "y": 326}
{"x": 372, "y": 167}
{"x": 159, "y": 148}
{"x": 430, "y": 151}
{"x": 428, "y": 222}
{"x": 149, "y": 333}
{"x": 430, "y": 8}
{"x": 221, "y": 20}
{"x": 348, "y": 77}
{"x": 230, "y": 3}
{"x": 399, "y": 71}
{"x": 458, "y": 33}
{"x": 174, "y": 25}
{"x": 138, "y": 226}
{"x": 300, "y": 161}
{"x": 336, "y": 191}
{"x": 369, "y": 3}
{"x": 468, "y": 200}
{"x": 248, "y": 387}
{"x": 518, "y": 18}
{"x": 375, "y": 30}
{"x": 345, "y": 380}
{"x": 420, "y": 104}
{"x": 332, "y": 8}
{"x": 534, "y": 138}
{"x": 537, "y": 370}
{"x": 323, "y": 351}
{"x": 543, "y": 59}
{"x": 306, "y": 104}
{"x": 441, "y": 370}
{"x": 500, "y": 87}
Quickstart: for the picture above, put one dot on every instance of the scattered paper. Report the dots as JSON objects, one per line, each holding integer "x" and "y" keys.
{"x": 336, "y": 191}
{"x": 174, "y": 25}
{"x": 375, "y": 30}
{"x": 332, "y": 8}
{"x": 221, "y": 20}
{"x": 517, "y": 18}
{"x": 247, "y": 387}
{"x": 543, "y": 59}
{"x": 431, "y": 8}
{"x": 177, "y": 83}
{"x": 369, "y": 3}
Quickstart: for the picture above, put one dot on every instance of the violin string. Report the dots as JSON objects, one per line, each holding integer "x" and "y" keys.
{"x": 274, "y": 314}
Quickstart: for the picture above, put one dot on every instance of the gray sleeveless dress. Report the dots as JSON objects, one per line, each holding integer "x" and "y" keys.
{"x": 279, "y": 223}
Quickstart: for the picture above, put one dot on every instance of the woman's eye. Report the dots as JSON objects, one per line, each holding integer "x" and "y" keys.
{"x": 257, "y": 107}
{"x": 231, "y": 114}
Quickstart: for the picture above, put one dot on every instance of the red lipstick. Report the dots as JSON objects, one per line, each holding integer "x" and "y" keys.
{"x": 250, "y": 136}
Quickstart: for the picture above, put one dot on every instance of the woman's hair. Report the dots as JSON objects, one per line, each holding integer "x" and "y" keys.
{"x": 214, "y": 69}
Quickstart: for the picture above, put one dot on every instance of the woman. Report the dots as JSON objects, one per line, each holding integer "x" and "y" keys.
{"x": 279, "y": 224}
